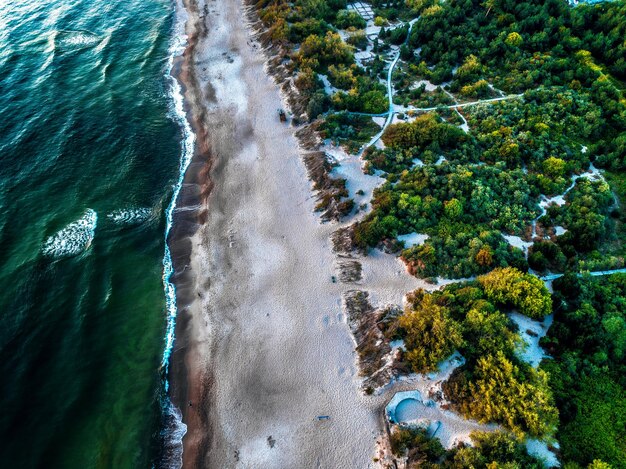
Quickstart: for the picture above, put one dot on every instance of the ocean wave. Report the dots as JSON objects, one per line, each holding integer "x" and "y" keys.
{"x": 130, "y": 216}
{"x": 75, "y": 39}
{"x": 175, "y": 434}
{"x": 172, "y": 437}
{"x": 176, "y": 113}
{"x": 74, "y": 238}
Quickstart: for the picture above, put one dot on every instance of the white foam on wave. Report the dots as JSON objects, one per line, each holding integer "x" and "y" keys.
{"x": 172, "y": 436}
{"x": 177, "y": 113}
{"x": 74, "y": 238}
{"x": 129, "y": 216}
{"x": 176, "y": 429}
{"x": 76, "y": 39}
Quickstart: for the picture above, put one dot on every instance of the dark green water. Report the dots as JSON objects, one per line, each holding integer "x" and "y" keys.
{"x": 84, "y": 133}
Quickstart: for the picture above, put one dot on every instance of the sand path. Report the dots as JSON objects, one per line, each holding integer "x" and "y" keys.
{"x": 262, "y": 344}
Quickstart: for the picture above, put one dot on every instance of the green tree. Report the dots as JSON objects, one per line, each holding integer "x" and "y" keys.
{"x": 470, "y": 69}
{"x": 599, "y": 422}
{"x": 598, "y": 464}
{"x": 319, "y": 51}
{"x": 554, "y": 167}
{"x": 349, "y": 19}
{"x": 487, "y": 331}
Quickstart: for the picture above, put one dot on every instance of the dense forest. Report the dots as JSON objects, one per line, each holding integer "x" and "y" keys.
{"x": 509, "y": 123}
{"x": 563, "y": 67}
{"x": 588, "y": 373}
{"x": 494, "y": 385}
{"x": 576, "y": 395}
{"x": 570, "y": 113}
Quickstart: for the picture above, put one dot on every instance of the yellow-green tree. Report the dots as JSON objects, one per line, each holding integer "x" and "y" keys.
{"x": 431, "y": 335}
{"x": 487, "y": 331}
{"x": 501, "y": 392}
{"x": 554, "y": 167}
{"x": 514, "y": 39}
{"x": 598, "y": 464}
{"x": 512, "y": 288}
{"x": 471, "y": 67}
{"x": 324, "y": 50}
{"x": 453, "y": 208}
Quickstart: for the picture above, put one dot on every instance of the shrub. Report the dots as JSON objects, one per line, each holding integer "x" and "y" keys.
{"x": 349, "y": 19}
{"x": 500, "y": 391}
{"x": 320, "y": 51}
{"x": 511, "y": 288}
{"x": 431, "y": 335}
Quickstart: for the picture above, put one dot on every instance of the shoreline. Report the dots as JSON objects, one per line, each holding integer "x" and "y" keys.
{"x": 186, "y": 214}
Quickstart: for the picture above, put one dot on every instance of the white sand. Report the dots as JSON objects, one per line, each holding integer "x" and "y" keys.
{"x": 363, "y": 56}
{"x": 397, "y": 344}
{"x": 413, "y": 239}
{"x": 357, "y": 181}
{"x": 387, "y": 280}
{"x": 416, "y": 162}
{"x": 540, "y": 449}
{"x": 328, "y": 88}
{"x": 269, "y": 346}
{"x": 518, "y": 242}
{"x": 350, "y": 167}
{"x": 379, "y": 120}
{"x": 531, "y": 353}
{"x": 428, "y": 86}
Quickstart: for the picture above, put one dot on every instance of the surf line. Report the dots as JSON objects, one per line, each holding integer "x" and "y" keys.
{"x": 177, "y": 114}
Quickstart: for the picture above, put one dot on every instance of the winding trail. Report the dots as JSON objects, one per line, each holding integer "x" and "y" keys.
{"x": 480, "y": 101}
{"x": 392, "y": 108}
{"x": 457, "y": 105}
{"x": 598, "y": 273}
{"x": 391, "y": 111}
{"x": 433, "y": 108}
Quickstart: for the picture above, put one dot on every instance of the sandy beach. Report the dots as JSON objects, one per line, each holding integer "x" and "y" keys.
{"x": 263, "y": 347}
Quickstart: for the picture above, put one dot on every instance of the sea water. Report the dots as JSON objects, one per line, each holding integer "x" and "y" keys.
{"x": 92, "y": 145}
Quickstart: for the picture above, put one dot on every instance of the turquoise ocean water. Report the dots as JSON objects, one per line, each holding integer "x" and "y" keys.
{"x": 90, "y": 155}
